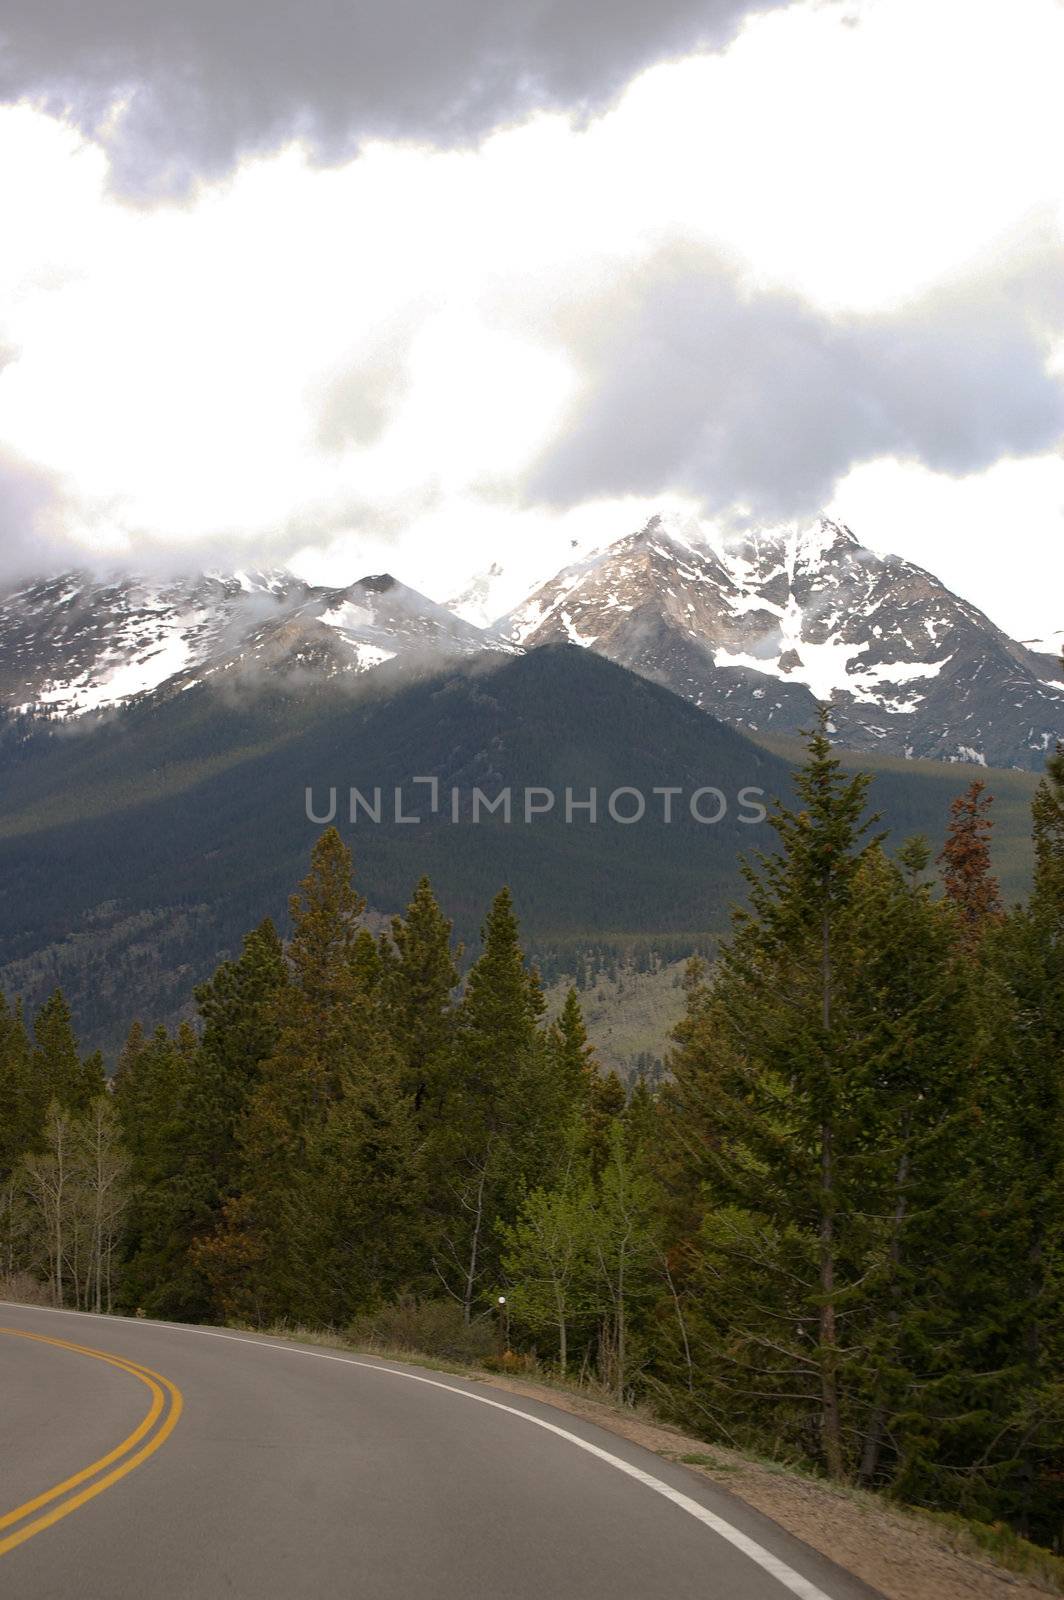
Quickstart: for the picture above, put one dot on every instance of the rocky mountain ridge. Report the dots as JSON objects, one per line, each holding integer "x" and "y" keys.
{"x": 74, "y": 644}
{"x": 755, "y": 630}
{"x": 758, "y": 630}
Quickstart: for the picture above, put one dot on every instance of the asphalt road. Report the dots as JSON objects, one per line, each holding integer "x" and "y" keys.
{"x": 196, "y": 1464}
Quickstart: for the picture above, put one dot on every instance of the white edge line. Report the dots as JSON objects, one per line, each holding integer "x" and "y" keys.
{"x": 734, "y": 1536}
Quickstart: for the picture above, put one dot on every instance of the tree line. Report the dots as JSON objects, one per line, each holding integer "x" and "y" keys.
{"x": 833, "y": 1234}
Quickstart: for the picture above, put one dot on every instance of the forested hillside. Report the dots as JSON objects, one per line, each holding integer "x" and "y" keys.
{"x": 133, "y": 855}
{"x": 834, "y": 1235}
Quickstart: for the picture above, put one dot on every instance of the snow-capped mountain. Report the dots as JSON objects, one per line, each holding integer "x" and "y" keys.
{"x": 74, "y": 644}
{"x": 758, "y": 630}
{"x": 755, "y": 631}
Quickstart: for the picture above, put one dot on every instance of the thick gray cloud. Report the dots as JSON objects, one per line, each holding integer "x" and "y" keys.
{"x": 26, "y": 496}
{"x": 210, "y": 79}
{"x": 695, "y": 384}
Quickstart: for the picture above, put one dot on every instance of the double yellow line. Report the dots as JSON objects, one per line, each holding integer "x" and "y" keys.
{"x": 153, "y": 1430}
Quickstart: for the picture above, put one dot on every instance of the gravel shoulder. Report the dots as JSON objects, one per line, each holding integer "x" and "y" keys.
{"x": 900, "y": 1554}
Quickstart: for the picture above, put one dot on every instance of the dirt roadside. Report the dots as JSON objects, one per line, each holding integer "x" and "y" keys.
{"x": 899, "y": 1554}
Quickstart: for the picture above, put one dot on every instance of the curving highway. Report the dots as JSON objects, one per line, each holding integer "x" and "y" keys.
{"x": 142, "y": 1459}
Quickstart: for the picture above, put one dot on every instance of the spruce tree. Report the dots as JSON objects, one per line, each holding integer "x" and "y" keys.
{"x": 58, "y": 1071}
{"x": 420, "y": 984}
{"x": 574, "y": 1058}
{"x": 331, "y": 1043}
{"x": 641, "y": 1118}
{"x": 503, "y": 1127}
{"x": 135, "y": 1042}
{"x": 18, "y": 1121}
{"x": 768, "y": 1059}
{"x": 1022, "y": 972}
{"x": 198, "y": 1147}
{"x": 606, "y": 1106}
{"x": 20, "y": 1127}
{"x": 750, "y": 1112}
{"x": 150, "y": 1099}
{"x": 354, "y": 1214}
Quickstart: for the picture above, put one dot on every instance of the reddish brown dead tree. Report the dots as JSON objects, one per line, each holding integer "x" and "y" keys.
{"x": 965, "y": 863}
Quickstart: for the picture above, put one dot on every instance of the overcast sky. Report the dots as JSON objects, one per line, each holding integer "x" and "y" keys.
{"x": 436, "y": 285}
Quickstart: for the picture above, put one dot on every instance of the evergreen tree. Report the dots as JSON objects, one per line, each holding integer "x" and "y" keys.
{"x": 198, "y": 1145}
{"x": 18, "y": 1125}
{"x": 136, "y": 1039}
{"x": 355, "y": 1212}
{"x": 503, "y": 1124}
{"x": 420, "y": 984}
{"x": 641, "y": 1118}
{"x": 150, "y": 1097}
{"x": 965, "y": 861}
{"x": 19, "y": 1128}
{"x": 1022, "y": 973}
{"x": 331, "y": 1044}
{"x": 574, "y": 1058}
{"x": 57, "y": 1069}
{"x": 768, "y": 1059}
{"x": 606, "y": 1105}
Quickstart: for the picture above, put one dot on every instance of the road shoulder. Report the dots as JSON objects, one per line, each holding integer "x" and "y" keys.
{"x": 897, "y": 1553}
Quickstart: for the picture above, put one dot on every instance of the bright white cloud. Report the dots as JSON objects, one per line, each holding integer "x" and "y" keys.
{"x": 997, "y": 537}
{"x": 345, "y": 360}
{"x": 856, "y": 153}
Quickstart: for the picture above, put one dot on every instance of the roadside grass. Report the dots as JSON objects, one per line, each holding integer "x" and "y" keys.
{"x": 401, "y": 1354}
{"x": 701, "y": 1459}
{"x": 994, "y": 1542}
{"x": 1001, "y": 1544}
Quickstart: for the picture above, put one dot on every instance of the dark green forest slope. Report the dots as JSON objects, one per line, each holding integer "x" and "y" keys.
{"x": 134, "y": 855}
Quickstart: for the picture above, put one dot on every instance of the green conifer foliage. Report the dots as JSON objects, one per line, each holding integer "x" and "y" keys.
{"x": 782, "y": 1104}
{"x": 57, "y": 1069}
{"x": 606, "y": 1106}
{"x": 18, "y": 1121}
{"x": 503, "y": 1125}
{"x": 331, "y": 1061}
{"x": 574, "y": 1057}
{"x": 420, "y": 979}
{"x": 150, "y": 1099}
{"x": 20, "y": 1128}
{"x": 1023, "y": 969}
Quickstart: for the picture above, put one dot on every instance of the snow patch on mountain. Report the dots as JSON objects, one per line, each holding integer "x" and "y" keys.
{"x": 113, "y": 679}
{"x": 371, "y": 655}
{"x": 347, "y": 617}
{"x": 757, "y": 628}
{"x": 74, "y": 645}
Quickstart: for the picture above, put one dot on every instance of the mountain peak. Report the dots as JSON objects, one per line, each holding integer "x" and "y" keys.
{"x": 76, "y": 644}
{"x": 759, "y": 627}
{"x": 811, "y": 544}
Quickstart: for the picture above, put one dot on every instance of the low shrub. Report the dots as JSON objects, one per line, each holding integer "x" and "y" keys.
{"x": 430, "y": 1327}
{"x": 24, "y": 1289}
